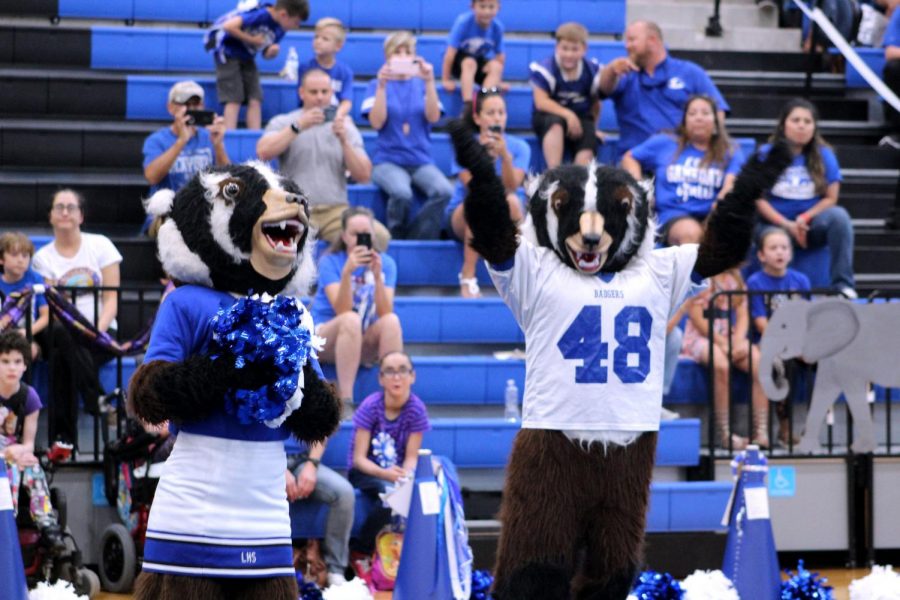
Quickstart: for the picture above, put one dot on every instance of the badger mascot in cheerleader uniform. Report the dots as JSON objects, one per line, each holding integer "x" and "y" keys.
{"x": 231, "y": 363}
{"x": 593, "y": 297}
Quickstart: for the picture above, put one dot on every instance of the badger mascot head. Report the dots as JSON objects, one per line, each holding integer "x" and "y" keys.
{"x": 237, "y": 228}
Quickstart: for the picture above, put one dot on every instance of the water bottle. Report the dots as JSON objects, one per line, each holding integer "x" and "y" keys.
{"x": 291, "y": 65}
{"x": 511, "y": 410}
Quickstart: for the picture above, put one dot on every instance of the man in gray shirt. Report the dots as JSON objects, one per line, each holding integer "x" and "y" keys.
{"x": 316, "y": 151}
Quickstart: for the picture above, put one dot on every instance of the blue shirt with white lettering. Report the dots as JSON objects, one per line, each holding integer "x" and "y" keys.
{"x": 467, "y": 37}
{"x": 197, "y": 154}
{"x": 683, "y": 185}
{"x": 405, "y": 137}
{"x": 647, "y": 104}
{"x": 795, "y": 191}
{"x": 576, "y": 94}
{"x": 341, "y": 79}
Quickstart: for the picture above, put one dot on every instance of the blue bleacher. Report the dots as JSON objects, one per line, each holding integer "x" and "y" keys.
{"x": 174, "y": 49}
{"x": 872, "y": 57}
{"x": 599, "y": 16}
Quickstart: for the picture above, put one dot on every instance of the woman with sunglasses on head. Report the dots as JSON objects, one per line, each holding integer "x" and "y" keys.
{"x": 387, "y": 435}
{"x": 402, "y": 104}
{"x": 692, "y": 169}
{"x": 512, "y": 157}
{"x": 804, "y": 199}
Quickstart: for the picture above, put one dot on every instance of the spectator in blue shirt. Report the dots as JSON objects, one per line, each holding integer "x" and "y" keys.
{"x": 16, "y": 251}
{"x": 650, "y": 88}
{"x": 327, "y": 42}
{"x": 566, "y": 105}
{"x": 512, "y": 156}
{"x": 402, "y": 104}
{"x": 474, "y": 52}
{"x": 354, "y": 304}
{"x": 235, "y": 38}
{"x": 173, "y": 154}
{"x": 692, "y": 168}
{"x": 804, "y": 199}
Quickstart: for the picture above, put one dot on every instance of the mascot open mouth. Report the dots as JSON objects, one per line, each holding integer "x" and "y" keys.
{"x": 586, "y": 262}
{"x": 283, "y": 235}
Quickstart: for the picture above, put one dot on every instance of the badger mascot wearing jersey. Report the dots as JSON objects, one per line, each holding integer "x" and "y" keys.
{"x": 593, "y": 297}
{"x": 234, "y": 370}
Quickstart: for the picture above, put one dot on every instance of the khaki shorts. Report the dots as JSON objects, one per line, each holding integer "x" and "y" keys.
{"x": 237, "y": 81}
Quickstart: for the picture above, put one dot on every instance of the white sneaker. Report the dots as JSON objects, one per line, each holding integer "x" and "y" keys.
{"x": 849, "y": 293}
{"x": 336, "y": 579}
{"x": 668, "y": 415}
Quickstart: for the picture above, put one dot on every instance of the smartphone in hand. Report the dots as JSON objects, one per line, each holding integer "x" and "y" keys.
{"x": 330, "y": 112}
{"x": 404, "y": 65}
{"x": 364, "y": 239}
{"x": 498, "y": 129}
{"x": 200, "y": 118}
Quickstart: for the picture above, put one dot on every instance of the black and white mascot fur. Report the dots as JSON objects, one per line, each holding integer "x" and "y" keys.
{"x": 219, "y": 525}
{"x": 593, "y": 297}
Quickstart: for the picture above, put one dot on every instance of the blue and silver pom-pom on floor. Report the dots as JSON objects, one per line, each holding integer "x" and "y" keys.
{"x": 12, "y": 571}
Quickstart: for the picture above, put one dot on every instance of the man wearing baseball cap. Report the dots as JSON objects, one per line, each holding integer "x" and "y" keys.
{"x": 174, "y": 153}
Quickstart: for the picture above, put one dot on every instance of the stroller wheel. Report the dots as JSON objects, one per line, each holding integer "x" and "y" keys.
{"x": 118, "y": 559}
{"x": 86, "y": 583}
{"x": 58, "y": 500}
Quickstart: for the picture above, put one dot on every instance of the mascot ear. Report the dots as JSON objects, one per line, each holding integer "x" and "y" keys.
{"x": 160, "y": 203}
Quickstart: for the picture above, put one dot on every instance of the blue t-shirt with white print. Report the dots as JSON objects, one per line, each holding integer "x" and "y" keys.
{"x": 468, "y": 37}
{"x": 255, "y": 21}
{"x": 197, "y": 155}
{"x": 577, "y": 94}
{"x": 795, "y": 191}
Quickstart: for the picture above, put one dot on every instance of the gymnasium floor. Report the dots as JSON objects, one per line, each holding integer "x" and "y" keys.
{"x": 838, "y": 578}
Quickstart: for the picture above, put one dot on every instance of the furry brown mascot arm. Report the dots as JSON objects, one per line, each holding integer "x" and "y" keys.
{"x": 486, "y": 210}
{"x": 729, "y": 231}
{"x": 186, "y": 390}
{"x": 320, "y": 412}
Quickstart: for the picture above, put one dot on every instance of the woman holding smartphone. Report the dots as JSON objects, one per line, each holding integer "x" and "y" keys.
{"x": 512, "y": 156}
{"x": 402, "y": 104}
{"x": 354, "y": 303}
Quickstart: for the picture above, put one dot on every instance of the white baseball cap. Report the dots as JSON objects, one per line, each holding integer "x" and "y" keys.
{"x": 183, "y": 91}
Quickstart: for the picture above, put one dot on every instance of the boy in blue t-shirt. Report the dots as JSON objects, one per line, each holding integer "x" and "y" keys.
{"x": 16, "y": 251}
{"x": 474, "y": 50}
{"x": 235, "y": 38}
{"x": 566, "y": 103}
{"x": 327, "y": 42}
{"x": 775, "y": 254}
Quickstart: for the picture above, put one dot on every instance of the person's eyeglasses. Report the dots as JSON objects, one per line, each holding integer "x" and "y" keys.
{"x": 69, "y": 208}
{"x": 401, "y": 372}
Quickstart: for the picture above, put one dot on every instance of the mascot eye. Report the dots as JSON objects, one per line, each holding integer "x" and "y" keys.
{"x": 559, "y": 200}
{"x": 231, "y": 189}
{"x": 624, "y": 197}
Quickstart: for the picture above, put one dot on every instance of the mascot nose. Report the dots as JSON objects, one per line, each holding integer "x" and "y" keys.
{"x": 591, "y": 240}
{"x": 294, "y": 198}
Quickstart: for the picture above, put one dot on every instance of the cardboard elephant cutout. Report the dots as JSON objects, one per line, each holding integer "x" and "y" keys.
{"x": 854, "y": 345}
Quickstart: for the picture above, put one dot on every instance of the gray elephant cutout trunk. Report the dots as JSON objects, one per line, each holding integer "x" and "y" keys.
{"x": 854, "y": 344}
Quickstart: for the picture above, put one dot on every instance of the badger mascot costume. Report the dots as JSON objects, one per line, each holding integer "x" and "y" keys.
{"x": 236, "y": 374}
{"x": 593, "y": 297}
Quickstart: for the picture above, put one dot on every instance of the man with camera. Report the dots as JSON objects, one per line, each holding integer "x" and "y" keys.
{"x": 194, "y": 141}
{"x": 316, "y": 150}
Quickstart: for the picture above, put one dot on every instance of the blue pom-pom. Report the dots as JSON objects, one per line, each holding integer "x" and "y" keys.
{"x": 481, "y": 585}
{"x": 805, "y": 586}
{"x": 308, "y": 589}
{"x": 266, "y": 335}
{"x": 657, "y": 586}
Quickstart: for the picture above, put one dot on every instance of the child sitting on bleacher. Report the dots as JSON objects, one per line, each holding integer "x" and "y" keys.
{"x": 512, "y": 155}
{"x": 387, "y": 434}
{"x": 775, "y": 254}
{"x": 474, "y": 52}
{"x": 235, "y": 38}
{"x": 566, "y": 104}
{"x": 327, "y": 42}
{"x": 730, "y": 342}
{"x": 19, "y": 410}
{"x": 16, "y": 251}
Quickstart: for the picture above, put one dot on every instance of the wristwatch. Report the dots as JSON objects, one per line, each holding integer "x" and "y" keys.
{"x": 314, "y": 461}
{"x": 296, "y": 129}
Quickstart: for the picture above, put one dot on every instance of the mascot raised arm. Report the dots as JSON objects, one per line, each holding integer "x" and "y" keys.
{"x": 593, "y": 297}
{"x": 231, "y": 363}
